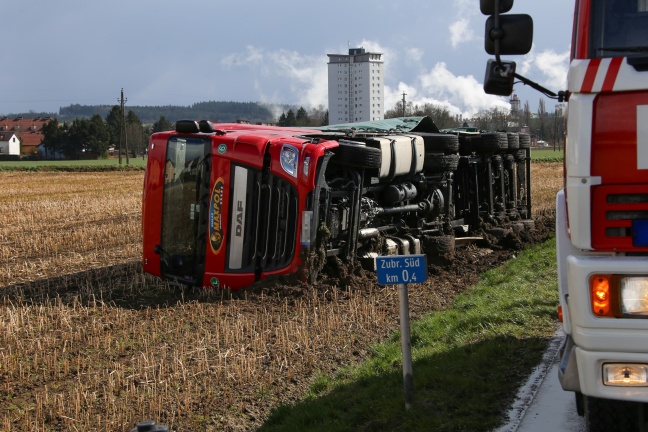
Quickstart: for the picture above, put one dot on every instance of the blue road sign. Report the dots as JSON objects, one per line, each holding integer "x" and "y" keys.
{"x": 401, "y": 269}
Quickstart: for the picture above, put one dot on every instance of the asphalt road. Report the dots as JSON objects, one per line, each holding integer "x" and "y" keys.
{"x": 542, "y": 405}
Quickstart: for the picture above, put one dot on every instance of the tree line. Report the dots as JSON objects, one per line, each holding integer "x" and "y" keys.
{"x": 94, "y": 137}
{"x": 543, "y": 124}
{"x": 317, "y": 117}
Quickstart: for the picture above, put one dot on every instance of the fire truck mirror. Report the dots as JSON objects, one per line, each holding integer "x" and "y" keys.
{"x": 499, "y": 77}
{"x": 488, "y": 6}
{"x": 515, "y": 35}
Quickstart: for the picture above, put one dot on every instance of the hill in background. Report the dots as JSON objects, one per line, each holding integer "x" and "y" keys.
{"x": 214, "y": 111}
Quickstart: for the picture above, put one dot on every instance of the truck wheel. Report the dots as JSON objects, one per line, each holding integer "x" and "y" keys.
{"x": 358, "y": 156}
{"x": 436, "y": 163}
{"x": 439, "y": 249}
{"x": 605, "y": 415}
{"x": 440, "y": 142}
{"x": 520, "y": 155}
{"x": 466, "y": 147}
{"x": 492, "y": 142}
{"x": 525, "y": 140}
{"x": 513, "y": 141}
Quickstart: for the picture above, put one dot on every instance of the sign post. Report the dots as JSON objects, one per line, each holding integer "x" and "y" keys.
{"x": 401, "y": 270}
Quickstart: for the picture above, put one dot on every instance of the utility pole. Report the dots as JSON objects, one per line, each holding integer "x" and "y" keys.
{"x": 404, "y": 94}
{"x": 122, "y": 131}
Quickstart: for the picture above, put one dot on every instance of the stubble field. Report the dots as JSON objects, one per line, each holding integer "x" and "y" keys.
{"x": 89, "y": 342}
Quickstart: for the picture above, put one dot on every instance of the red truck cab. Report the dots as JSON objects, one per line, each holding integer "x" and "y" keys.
{"x": 216, "y": 199}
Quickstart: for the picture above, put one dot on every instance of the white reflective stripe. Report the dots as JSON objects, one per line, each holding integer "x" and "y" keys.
{"x": 237, "y": 223}
{"x": 307, "y": 218}
{"x": 642, "y": 137}
{"x": 601, "y": 73}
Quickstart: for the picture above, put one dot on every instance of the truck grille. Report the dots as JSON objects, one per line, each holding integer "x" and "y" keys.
{"x": 277, "y": 221}
{"x": 614, "y": 209}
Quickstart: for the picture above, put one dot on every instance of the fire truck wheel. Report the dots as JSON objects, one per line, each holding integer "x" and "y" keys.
{"x": 440, "y": 142}
{"x": 525, "y": 140}
{"x": 358, "y": 156}
{"x": 605, "y": 415}
{"x": 437, "y": 163}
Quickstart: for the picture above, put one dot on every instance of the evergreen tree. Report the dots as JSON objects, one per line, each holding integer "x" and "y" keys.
{"x": 113, "y": 120}
{"x": 290, "y": 118}
{"x": 162, "y": 125}
{"x": 52, "y": 138}
{"x": 302, "y": 118}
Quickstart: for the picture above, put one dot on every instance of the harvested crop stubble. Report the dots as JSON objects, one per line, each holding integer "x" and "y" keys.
{"x": 88, "y": 342}
{"x": 57, "y": 223}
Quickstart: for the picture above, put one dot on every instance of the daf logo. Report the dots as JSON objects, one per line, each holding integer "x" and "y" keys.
{"x": 240, "y": 210}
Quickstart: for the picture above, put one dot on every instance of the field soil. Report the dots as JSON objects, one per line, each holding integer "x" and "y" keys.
{"x": 89, "y": 342}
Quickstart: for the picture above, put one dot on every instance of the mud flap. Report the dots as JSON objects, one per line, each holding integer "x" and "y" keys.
{"x": 568, "y": 369}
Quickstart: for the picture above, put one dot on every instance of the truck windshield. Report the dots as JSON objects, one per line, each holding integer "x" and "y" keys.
{"x": 619, "y": 28}
{"x": 185, "y": 166}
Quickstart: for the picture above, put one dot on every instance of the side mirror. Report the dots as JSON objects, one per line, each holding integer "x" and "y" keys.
{"x": 515, "y": 35}
{"x": 499, "y": 78}
{"x": 487, "y": 7}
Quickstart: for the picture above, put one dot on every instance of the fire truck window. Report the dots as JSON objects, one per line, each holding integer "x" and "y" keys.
{"x": 619, "y": 27}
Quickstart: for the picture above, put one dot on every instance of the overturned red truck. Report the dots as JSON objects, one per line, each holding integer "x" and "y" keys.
{"x": 226, "y": 205}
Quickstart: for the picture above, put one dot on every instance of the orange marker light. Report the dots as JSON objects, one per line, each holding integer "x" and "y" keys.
{"x": 560, "y": 313}
{"x": 600, "y": 295}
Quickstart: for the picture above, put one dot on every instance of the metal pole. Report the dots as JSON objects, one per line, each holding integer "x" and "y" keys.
{"x": 406, "y": 345}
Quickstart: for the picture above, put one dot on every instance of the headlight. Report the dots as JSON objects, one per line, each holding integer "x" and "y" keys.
{"x": 634, "y": 295}
{"x": 289, "y": 159}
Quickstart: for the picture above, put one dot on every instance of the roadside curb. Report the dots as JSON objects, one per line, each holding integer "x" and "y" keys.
{"x": 527, "y": 392}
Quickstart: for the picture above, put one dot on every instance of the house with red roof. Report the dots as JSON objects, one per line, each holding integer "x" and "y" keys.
{"x": 21, "y": 135}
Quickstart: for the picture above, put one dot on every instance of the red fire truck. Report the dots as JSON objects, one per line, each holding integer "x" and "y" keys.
{"x": 602, "y": 212}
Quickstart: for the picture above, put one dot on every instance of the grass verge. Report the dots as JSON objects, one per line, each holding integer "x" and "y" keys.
{"x": 547, "y": 155}
{"x": 92, "y": 165}
{"x": 469, "y": 360}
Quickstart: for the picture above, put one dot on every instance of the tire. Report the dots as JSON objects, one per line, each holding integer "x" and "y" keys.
{"x": 466, "y": 147}
{"x": 525, "y": 140}
{"x": 520, "y": 155}
{"x": 491, "y": 142}
{"x": 605, "y": 415}
{"x": 439, "y": 249}
{"x": 437, "y": 163}
{"x": 358, "y": 156}
{"x": 440, "y": 142}
{"x": 513, "y": 141}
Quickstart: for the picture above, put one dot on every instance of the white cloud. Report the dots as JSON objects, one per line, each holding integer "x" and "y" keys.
{"x": 304, "y": 75}
{"x": 414, "y": 55}
{"x": 461, "y": 32}
{"x": 551, "y": 65}
{"x": 461, "y": 94}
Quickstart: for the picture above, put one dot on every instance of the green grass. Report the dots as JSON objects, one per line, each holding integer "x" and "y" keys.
{"x": 547, "y": 155}
{"x": 469, "y": 361}
{"x": 73, "y": 165}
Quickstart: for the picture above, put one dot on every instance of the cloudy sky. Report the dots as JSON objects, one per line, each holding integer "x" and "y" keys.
{"x": 164, "y": 52}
